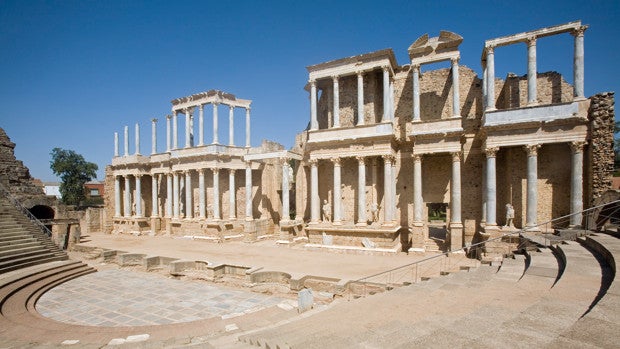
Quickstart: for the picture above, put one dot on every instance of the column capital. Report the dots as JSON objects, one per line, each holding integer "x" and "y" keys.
{"x": 388, "y": 158}
{"x": 215, "y": 104}
{"x": 579, "y": 31}
{"x": 456, "y": 156}
{"x": 416, "y": 157}
{"x": 247, "y": 109}
{"x": 491, "y": 152}
{"x": 189, "y": 110}
{"x": 530, "y": 41}
{"x": 200, "y": 170}
{"x": 385, "y": 68}
{"x": 186, "y": 171}
{"x": 532, "y": 149}
{"x": 154, "y": 120}
{"x": 283, "y": 160}
{"x": 335, "y": 78}
{"x": 231, "y": 171}
{"x": 490, "y": 49}
{"x": 232, "y": 107}
{"x": 577, "y": 146}
{"x": 336, "y": 161}
{"x": 313, "y": 162}
{"x": 415, "y": 67}
{"x": 312, "y": 82}
{"x": 201, "y": 107}
{"x": 454, "y": 60}
{"x": 361, "y": 159}
{"x": 215, "y": 170}
{"x": 175, "y": 112}
{"x": 138, "y": 175}
{"x": 168, "y": 117}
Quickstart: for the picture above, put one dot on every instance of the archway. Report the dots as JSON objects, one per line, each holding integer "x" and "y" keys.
{"x": 43, "y": 213}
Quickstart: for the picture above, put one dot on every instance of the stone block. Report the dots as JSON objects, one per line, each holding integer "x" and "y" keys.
{"x": 368, "y": 244}
{"x": 327, "y": 240}
{"x": 305, "y": 300}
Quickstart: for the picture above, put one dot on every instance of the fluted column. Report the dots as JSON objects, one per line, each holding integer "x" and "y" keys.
{"x": 216, "y": 194}
{"x": 387, "y": 189}
{"x": 115, "y": 144}
{"x": 314, "y": 123}
{"x": 117, "y": 196}
{"x": 576, "y": 183}
{"x": 336, "y": 121}
{"x": 201, "y": 193}
{"x": 490, "y": 79}
{"x": 248, "y": 191}
{"x": 456, "y": 101}
{"x": 417, "y": 189}
{"x": 137, "y": 136}
{"x": 153, "y": 136}
{"x": 361, "y": 191}
{"x": 578, "y": 63}
{"x": 491, "y": 153}
{"x": 138, "y": 198}
{"x": 126, "y": 140}
{"x": 188, "y": 124}
{"x": 416, "y": 92}
{"x": 360, "y": 98}
{"x": 175, "y": 195}
{"x": 532, "y": 185}
{"x": 154, "y": 204}
{"x": 314, "y": 192}
{"x": 231, "y": 125}
{"x": 455, "y": 191}
{"x": 189, "y": 203}
{"x": 169, "y": 198}
{"x": 175, "y": 130}
{"x": 231, "y": 194}
{"x": 285, "y": 189}
{"x": 386, "y": 94}
{"x": 215, "y": 131}
{"x": 247, "y": 127}
{"x": 532, "y": 99}
{"x": 337, "y": 214}
{"x": 168, "y": 140}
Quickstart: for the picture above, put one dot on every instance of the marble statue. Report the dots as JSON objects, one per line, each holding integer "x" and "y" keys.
{"x": 327, "y": 211}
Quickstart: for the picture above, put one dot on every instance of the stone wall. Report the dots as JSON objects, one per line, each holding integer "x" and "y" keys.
{"x": 551, "y": 89}
{"x": 600, "y": 153}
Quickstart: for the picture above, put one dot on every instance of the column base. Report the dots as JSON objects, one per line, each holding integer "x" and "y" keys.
{"x": 313, "y": 223}
{"x": 337, "y": 223}
{"x": 530, "y": 229}
{"x": 361, "y": 224}
{"x": 249, "y": 219}
{"x": 455, "y": 236}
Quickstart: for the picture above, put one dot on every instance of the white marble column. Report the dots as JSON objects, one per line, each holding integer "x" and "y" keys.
{"x": 455, "y": 190}
{"x": 386, "y": 94}
{"x": 578, "y": 63}
{"x": 138, "y": 198}
{"x": 314, "y": 123}
{"x": 387, "y": 189}
{"x": 247, "y": 127}
{"x": 314, "y": 192}
{"x": 491, "y": 153}
{"x": 490, "y": 81}
{"x": 232, "y": 214}
{"x": 417, "y": 189}
{"x": 215, "y": 131}
{"x": 188, "y": 125}
{"x": 115, "y": 144}
{"x": 484, "y": 86}
{"x": 231, "y": 126}
{"x": 362, "y": 219}
{"x": 175, "y": 195}
{"x": 117, "y": 196}
{"x": 360, "y": 99}
{"x": 337, "y": 214}
{"x": 393, "y": 190}
{"x": 126, "y": 140}
{"x": 483, "y": 219}
{"x": 175, "y": 130}
{"x": 532, "y": 185}
{"x": 416, "y": 92}
{"x": 532, "y": 99}
{"x": 285, "y": 189}
{"x": 248, "y": 191}
{"x": 216, "y": 193}
{"x": 576, "y": 184}
{"x": 137, "y": 136}
{"x": 201, "y": 125}
{"x": 153, "y": 136}
{"x": 201, "y": 193}
{"x": 169, "y": 195}
{"x": 189, "y": 203}
{"x": 456, "y": 100}
{"x": 168, "y": 140}
{"x": 154, "y": 201}
{"x": 127, "y": 208}
{"x": 336, "y": 118}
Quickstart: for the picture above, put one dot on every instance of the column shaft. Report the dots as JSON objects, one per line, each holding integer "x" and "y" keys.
{"x": 337, "y": 194}
{"x": 231, "y": 126}
{"x": 361, "y": 191}
{"x": 201, "y": 124}
{"x": 247, "y": 127}
{"x": 126, "y": 140}
{"x": 491, "y": 183}
{"x": 576, "y": 184}
{"x": 137, "y": 139}
{"x": 360, "y": 98}
{"x": 215, "y": 131}
{"x": 201, "y": 193}
{"x": 456, "y": 102}
{"x": 187, "y": 128}
{"x": 189, "y": 203}
{"x": 416, "y": 92}
{"x": 248, "y": 192}
{"x": 532, "y": 185}
{"x": 231, "y": 195}
{"x": 490, "y": 82}
{"x": 154, "y": 136}
{"x": 175, "y": 196}
{"x": 168, "y": 146}
{"x": 336, "y": 121}
{"x": 285, "y": 193}
{"x": 175, "y": 131}
{"x": 314, "y": 191}
{"x": 127, "y": 210}
{"x": 117, "y": 196}
{"x": 531, "y": 72}
{"x": 578, "y": 63}
{"x": 216, "y": 194}
{"x": 387, "y": 189}
{"x": 138, "y": 198}
{"x": 115, "y": 144}
{"x": 484, "y": 87}
{"x": 154, "y": 205}
{"x": 314, "y": 124}
{"x": 417, "y": 189}
{"x": 386, "y": 94}
{"x": 455, "y": 192}
{"x": 169, "y": 195}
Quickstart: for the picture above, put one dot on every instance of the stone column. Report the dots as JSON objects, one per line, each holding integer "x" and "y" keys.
{"x": 337, "y": 217}
{"x": 314, "y": 192}
{"x": 387, "y": 189}
{"x": 175, "y": 133}
{"x": 484, "y": 86}
{"x": 576, "y": 183}
{"x": 456, "y": 101}
{"x": 231, "y": 194}
{"x": 126, "y": 141}
{"x": 201, "y": 125}
{"x": 117, "y": 196}
{"x": 490, "y": 79}
{"x": 360, "y": 99}
{"x": 285, "y": 193}
{"x": 153, "y": 136}
{"x": 532, "y": 99}
{"x": 189, "y": 203}
{"x": 175, "y": 196}
{"x": 248, "y": 191}
{"x": 336, "y": 121}
{"x": 188, "y": 124}
{"x": 532, "y": 185}
{"x": 231, "y": 126}
{"x": 137, "y": 139}
{"x": 393, "y": 190}
{"x": 168, "y": 146}
{"x": 247, "y": 127}
{"x": 578, "y": 63}
{"x": 417, "y": 190}
{"x": 483, "y": 219}
{"x": 215, "y": 137}
{"x": 386, "y": 94}
{"x": 455, "y": 192}
{"x": 216, "y": 193}
{"x": 314, "y": 123}
{"x": 169, "y": 195}
{"x": 416, "y": 92}
{"x": 115, "y": 144}
{"x": 362, "y": 219}
{"x": 154, "y": 205}
{"x": 201, "y": 193}
{"x": 491, "y": 153}
{"x": 127, "y": 208}
{"x": 138, "y": 199}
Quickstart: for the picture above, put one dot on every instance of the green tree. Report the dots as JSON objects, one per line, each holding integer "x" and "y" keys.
{"x": 74, "y": 172}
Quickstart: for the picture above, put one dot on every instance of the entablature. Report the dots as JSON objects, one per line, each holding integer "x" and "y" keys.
{"x": 353, "y": 65}
{"x": 361, "y": 132}
{"x": 536, "y": 114}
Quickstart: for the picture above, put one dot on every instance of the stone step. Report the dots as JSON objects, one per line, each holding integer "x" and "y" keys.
{"x": 22, "y": 253}
{"x": 20, "y": 250}
{"x": 17, "y": 240}
{"x": 29, "y": 261}
{"x": 14, "y": 234}
{"x": 5, "y": 247}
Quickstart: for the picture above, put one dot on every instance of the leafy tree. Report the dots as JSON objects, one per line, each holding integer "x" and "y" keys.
{"x": 74, "y": 172}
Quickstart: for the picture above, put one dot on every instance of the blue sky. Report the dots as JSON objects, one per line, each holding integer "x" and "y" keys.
{"x": 74, "y": 72}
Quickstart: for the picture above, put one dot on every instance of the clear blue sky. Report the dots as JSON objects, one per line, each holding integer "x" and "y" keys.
{"x": 74, "y": 72}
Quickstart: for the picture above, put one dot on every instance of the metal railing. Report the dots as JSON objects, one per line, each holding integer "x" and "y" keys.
{"x": 467, "y": 257}
{"x": 24, "y": 210}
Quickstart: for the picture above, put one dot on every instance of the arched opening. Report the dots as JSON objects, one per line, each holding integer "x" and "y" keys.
{"x": 43, "y": 213}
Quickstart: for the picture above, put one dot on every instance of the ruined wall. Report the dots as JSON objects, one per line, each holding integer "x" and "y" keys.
{"x": 551, "y": 88}
{"x": 600, "y": 153}
{"x": 108, "y": 200}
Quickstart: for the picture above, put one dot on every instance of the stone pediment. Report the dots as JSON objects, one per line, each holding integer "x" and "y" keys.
{"x": 429, "y": 48}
